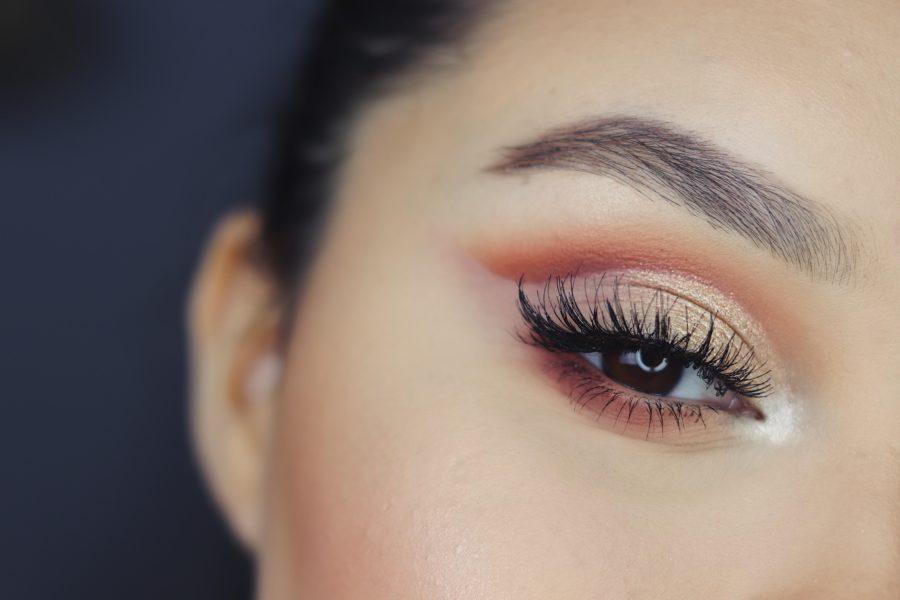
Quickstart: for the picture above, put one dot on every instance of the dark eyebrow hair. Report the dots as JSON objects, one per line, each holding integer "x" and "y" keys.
{"x": 659, "y": 160}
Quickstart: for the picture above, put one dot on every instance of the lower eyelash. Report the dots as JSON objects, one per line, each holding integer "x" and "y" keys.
{"x": 627, "y": 409}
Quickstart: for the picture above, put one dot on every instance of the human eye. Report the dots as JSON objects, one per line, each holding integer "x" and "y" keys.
{"x": 643, "y": 359}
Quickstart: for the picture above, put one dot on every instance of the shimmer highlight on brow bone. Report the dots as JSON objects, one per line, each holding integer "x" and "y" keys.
{"x": 683, "y": 169}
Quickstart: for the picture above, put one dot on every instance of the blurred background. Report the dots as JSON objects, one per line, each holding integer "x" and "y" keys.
{"x": 126, "y": 129}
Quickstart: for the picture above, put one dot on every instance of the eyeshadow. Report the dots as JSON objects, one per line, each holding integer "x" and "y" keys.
{"x": 741, "y": 292}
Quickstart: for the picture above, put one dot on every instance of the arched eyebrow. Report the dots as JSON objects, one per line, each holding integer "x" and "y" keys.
{"x": 662, "y": 161}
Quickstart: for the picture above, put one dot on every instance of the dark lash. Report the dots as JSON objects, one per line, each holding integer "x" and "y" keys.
{"x": 557, "y": 322}
{"x": 659, "y": 408}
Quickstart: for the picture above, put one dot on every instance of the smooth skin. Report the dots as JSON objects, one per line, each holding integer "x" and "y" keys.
{"x": 402, "y": 445}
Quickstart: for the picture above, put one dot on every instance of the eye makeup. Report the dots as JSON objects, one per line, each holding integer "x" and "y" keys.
{"x": 651, "y": 355}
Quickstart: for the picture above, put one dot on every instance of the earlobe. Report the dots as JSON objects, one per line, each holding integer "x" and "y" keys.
{"x": 235, "y": 370}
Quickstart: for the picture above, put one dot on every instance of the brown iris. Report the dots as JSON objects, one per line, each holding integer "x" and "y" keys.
{"x": 646, "y": 370}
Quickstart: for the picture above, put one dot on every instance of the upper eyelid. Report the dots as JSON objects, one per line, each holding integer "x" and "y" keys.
{"x": 740, "y": 356}
{"x": 667, "y": 298}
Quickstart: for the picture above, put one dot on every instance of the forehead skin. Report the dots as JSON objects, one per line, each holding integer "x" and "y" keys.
{"x": 809, "y": 91}
{"x": 788, "y": 86}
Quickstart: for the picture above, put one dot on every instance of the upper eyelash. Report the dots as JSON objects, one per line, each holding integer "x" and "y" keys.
{"x": 558, "y": 322}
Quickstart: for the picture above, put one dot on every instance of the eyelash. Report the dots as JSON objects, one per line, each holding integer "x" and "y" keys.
{"x": 608, "y": 320}
{"x": 586, "y": 389}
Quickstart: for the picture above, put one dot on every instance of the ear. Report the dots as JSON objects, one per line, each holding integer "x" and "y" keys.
{"x": 235, "y": 370}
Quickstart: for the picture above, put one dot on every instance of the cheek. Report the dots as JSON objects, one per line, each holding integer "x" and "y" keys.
{"x": 440, "y": 507}
{"x": 404, "y": 470}
{"x": 438, "y": 504}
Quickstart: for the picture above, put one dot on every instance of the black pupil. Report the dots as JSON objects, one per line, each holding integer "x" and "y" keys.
{"x": 646, "y": 370}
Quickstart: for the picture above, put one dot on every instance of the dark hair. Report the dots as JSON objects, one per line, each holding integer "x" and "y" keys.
{"x": 359, "y": 51}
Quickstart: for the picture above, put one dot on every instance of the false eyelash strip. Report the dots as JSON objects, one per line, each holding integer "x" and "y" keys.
{"x": 610, "y": 319}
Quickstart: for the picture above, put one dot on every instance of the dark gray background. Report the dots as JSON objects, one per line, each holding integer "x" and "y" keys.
{"x": 136, "y": 124}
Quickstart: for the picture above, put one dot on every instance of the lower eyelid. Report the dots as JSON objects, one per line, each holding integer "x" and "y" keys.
{"x": 633, "y": 414}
